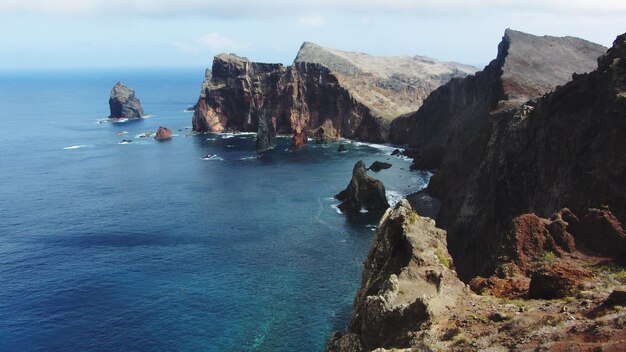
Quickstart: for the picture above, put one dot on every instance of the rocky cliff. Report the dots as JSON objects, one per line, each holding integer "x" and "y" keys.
{"x": 499, "y": 155}
{"x": 533, "y": 192}
{"x": 123, "y": 103}
{"x": 408, "y": 288}
{"x": 356, "y": 94}
{"x": 411, "y": 299}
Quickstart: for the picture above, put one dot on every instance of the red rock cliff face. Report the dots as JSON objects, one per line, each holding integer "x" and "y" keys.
{"x": 356, "y": 93}
{"x": 303, "y": 95}
{"x": 498, "y": 157}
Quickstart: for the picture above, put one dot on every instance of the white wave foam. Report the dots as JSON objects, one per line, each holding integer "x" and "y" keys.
{"x": 364, "y": 211}
{"x": 210, "y": 139}
{"x": 212, "y": 157}
{"x": 124, "y": 142}
{"x": 336, "y": 207}
{"x": 119, "y": 120}
{"x": 382, "y": 147}
{"x": 75, "y": 146}
{"x": 230, "y": 146}
{"x": 249, "y": 157}
{"x": 393, "y": 197}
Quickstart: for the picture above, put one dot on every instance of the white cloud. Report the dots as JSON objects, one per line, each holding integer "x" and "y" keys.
{"x": 315, "y": 20}
{"x": 281, "y": 8}
{"x": 219, "y": 43}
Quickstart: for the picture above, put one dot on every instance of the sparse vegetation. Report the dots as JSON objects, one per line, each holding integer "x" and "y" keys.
{"x": 613, "y": 269}
{"x": 547, "y": 257}
{"x": 443, "y": 258}
{"x": 412, "y": 217}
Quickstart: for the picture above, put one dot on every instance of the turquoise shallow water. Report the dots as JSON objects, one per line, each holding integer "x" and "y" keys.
{"x": 146, "y": 246}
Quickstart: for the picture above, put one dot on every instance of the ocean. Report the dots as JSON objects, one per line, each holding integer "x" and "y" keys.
{"x": 147, "y": 246}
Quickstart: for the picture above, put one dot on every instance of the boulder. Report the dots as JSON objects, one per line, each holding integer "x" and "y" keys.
{"x": 163, "y": 133}
{"x": 325, "y": 133}
{"x": 123, "y": 103}
{"x": 557, "y": 280}
{"x": 363, "y": 192}
{"x": 341, "y": 148}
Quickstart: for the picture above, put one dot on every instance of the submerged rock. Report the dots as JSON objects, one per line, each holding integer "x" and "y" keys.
{"x": 163, "y": 133}
{"x": 123, "y": 103}
{"x": 362, "y": 192}
{"x": 341, "y": 148}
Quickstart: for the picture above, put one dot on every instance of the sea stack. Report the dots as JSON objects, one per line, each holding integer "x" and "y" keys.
{"x": 123, "y": 103}
{"x": 363, "y": 192}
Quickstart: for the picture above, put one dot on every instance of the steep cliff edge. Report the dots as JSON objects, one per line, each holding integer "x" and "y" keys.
{"x": 357, "y": 94}
{"x": 498, "y": 157}
{"x": 407, "y": 290}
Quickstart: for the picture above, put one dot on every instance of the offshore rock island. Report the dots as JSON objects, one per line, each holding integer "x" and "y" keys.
{"x": 123, "y": 103}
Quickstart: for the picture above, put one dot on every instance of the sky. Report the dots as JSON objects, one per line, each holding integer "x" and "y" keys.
{"x": 67, "y": 34}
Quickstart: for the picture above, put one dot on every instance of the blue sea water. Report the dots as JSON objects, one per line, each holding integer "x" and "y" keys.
{"x": 146, "y": 246}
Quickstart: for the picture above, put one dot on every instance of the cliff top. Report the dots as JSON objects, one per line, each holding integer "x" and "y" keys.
{"x": 535, "y": 65}
{"x": 389, "y": 85}
{"x": 353, "y": 63}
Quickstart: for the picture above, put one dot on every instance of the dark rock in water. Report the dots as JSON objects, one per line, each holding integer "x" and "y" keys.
{"x": 341, "y": 148}
{"x": 191, "y": 109}
{"x": 396, "y": 152}
{"x": 299, "y": 138}
{"x": 126, "y": 141}
{"x": 379, "y": 165}
{"x": 362, "y": 192}
{"x": 325, "y": 133}
{"x": 163, "y": 133}
{"x": 266, "y": 134}
{"x": 123, "y": 103}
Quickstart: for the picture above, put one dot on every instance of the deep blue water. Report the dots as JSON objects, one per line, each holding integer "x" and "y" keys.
{"x": 146, "y": 246}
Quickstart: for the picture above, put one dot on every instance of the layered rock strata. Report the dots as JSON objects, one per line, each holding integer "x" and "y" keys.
{"x": 350, "y": 95}
{"x": 123, "y": 103}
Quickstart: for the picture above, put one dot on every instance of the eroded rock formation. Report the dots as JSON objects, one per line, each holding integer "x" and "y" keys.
{"x": 345, "y": 94}
{"x": 123, "y": 103}
{"x": 363, "y": 192}
{"x": 408, "y": 287}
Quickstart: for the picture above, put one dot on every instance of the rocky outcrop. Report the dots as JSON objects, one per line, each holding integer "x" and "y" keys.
{"x": 163, "y": 133}
{"x": 123, "y": 103}
{"x": 499, "y": 157}
{"x": 408, "y": 289}
{"x": 299, "y": 138}
{"x": 363, "y": 192}
{"x": 379, "y": 165}
{"x": 355, "y": 99}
